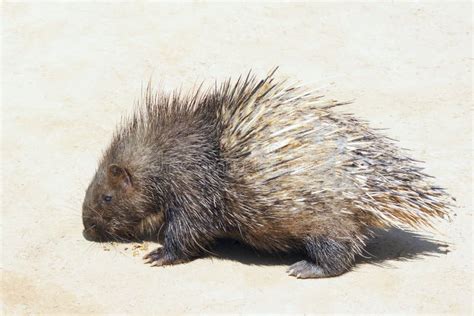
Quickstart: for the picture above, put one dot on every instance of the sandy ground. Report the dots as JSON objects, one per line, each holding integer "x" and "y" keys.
{"x": 71, "y": 70}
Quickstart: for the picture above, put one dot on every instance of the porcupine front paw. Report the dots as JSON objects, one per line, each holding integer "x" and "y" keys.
{"x": 305, "y": 270}
{"x": 160, "y": 257}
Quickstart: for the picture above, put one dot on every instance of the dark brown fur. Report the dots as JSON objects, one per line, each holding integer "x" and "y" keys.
{"x": 270, "y": 165}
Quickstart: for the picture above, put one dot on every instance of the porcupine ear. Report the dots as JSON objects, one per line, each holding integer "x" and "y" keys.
{"x": 119, "y": 177}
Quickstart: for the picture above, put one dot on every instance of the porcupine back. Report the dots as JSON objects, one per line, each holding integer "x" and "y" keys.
{"x": 301, "y": 167}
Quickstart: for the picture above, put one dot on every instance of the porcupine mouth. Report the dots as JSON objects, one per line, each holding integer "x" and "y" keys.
{"x": 97, "y": 234}
{"x": 93, "y": 234}
{"x": 148, "y": 228}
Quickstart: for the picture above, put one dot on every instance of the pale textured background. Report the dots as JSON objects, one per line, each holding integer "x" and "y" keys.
{"x": 71, "y": 70}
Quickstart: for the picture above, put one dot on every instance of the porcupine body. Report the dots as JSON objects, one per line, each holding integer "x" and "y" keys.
{"x": 263, "y": 162}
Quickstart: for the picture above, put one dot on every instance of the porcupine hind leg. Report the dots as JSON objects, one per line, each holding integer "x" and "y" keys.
{"x": 327, "y": 257}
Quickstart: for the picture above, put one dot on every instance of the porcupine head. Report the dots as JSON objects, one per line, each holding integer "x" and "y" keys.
{"x": 161, "y": 158}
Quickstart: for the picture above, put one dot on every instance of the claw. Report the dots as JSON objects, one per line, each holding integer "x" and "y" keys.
{"x": 159, "y": 257}
{"x": 304, "y": 270}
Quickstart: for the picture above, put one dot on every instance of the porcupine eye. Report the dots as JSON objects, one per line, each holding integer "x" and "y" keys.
{"x": 107, "y": 198}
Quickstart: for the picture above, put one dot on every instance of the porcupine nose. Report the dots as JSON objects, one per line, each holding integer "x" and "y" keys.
{"x": 91, "y": 230}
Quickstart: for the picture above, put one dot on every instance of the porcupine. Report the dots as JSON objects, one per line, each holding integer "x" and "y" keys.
{"x": 267, "y": 163}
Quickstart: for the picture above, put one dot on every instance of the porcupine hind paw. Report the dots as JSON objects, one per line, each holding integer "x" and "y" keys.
{"x": 160, "y": 257}
{"x": 306, "y": 270}
{"x": 328, "y": 257}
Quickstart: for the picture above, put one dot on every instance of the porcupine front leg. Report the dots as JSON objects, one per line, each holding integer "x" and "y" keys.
{"x": 179, "y": 244}
{"x": 169, "y": 254}
{"x": 328, "y": 257}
